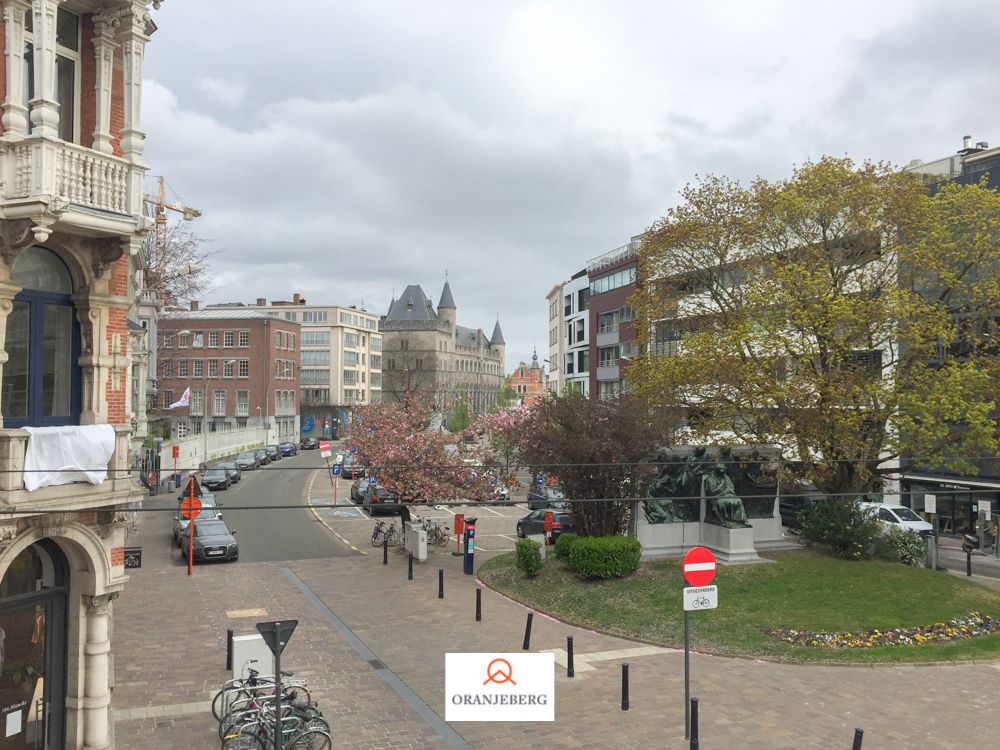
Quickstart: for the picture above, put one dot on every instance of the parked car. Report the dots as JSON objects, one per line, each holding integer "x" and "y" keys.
{"x": 212, "y": 541}
{"x": 546, "y": 497}
{"x": 263, "y": 457}
{"x": 209, "y": 512}
{"x": 309, "y": 444}
{"x": 288, "y": 449}
{"x": 232, "y": 471}
{"x": 791, "y": 507}
{"x": 358, "y": 489}
{"x": 379, "y": 501}
{"x": 215, "y": 479}
{"x": 247, "y": 461}
{"x": 273, "y": 451}
{"x": 899, "y": 516}
{"x": 534, "y": 523}
{"x": 352, "y": 467}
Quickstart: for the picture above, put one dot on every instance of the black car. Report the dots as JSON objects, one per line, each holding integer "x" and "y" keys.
{"x": 358, "y": 489}
{"x": 273, "y": 451}
{"x": 247, "y": 461}
{"x": 232, "y": 471}
{"x": 263, "y": 457}
{"x": 379, "y": 501}
{"x": 352, "y": 468}
{"x": 534, "y": 523}
{"x": 288, "y": 449}
{"x": 309, "y": 444}
{"x": 215, "y": 479}
{"x": 546, "y": 497}
{"x": 212, "y": 541}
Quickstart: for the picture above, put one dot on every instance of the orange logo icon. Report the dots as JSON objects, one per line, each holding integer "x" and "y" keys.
{"x": 499, "y": 671}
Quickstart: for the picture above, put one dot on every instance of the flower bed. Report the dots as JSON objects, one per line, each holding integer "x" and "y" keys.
{"x": 956, "y": 629}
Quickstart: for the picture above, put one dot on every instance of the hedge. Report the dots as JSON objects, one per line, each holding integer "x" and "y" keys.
{"x": 564, "y": 544}
{"x": 528, "y": 557}
{"x": 605, "y": 556}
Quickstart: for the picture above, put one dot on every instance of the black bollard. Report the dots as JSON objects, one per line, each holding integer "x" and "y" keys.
{"x": 527, "y": 631}
{"x": 385, "y": 551}
{"x": 409, "y": 571}
{"x": 859, "y": 735}
{"x": 479, "y": 604}
{"x": 229, "y": 650}
{"x": 694, "y": 724}
{"x": 625, "y": 686}
{"x": 968, "y": 563}
{"x": 569, "y": 656}
{"x": 440, "y": 583}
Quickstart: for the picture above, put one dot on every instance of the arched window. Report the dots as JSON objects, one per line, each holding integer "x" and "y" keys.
{"x": 41, "y": 380}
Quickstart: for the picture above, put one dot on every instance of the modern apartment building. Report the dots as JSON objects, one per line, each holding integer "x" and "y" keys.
{"x": 340, "y": 360}
{"x": 612, "y": 277}
{"x": 242, "y": 369}
{"x": 71, "y": 222}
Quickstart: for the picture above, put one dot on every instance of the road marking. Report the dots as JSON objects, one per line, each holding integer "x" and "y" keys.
{"x": 235, "y": 613}
{"x": 582, "y": 662}
{"x": 494, "y": 512}
{"x": 320, "y": 518}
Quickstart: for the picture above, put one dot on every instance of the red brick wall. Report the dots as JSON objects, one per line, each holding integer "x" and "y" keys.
{"x": 117, "y": 557}
{"x": 115, "y": 387}
{"x": 532, "y": 382}
{"x": 608, "y": 302}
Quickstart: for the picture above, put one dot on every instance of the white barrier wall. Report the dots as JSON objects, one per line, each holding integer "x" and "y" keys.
{"x": 199, "y": 449}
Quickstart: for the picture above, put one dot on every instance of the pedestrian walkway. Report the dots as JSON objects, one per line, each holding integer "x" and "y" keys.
{"x": 371, "y": 644}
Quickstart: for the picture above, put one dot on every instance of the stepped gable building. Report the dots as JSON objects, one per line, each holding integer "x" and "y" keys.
{"x": 426, "y": 353}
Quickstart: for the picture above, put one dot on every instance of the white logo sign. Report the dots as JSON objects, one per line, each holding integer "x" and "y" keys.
{"x": 700, "y": 597}
{"x": 499, "y": 687}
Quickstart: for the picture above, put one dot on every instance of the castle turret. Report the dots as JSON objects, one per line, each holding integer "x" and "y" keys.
{"x": 446, "y": 306}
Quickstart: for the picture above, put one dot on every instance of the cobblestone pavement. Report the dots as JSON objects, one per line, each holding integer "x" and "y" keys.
{"x": 169, "y": 647}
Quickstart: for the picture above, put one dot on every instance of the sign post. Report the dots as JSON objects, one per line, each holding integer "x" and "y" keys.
{"x": 176, "y": 451}
{"x": 459, "y": 533}
{"x": 276, "y": 635}
{"x": 699, "y": 570}
{"x": 190, "y": 509}
{"x": 548, "y": 528}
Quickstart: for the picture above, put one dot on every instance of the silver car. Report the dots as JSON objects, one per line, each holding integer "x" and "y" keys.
{"x": 209, "y": 512}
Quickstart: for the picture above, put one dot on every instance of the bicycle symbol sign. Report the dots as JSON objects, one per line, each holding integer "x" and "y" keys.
{"x": 701, "y": 597}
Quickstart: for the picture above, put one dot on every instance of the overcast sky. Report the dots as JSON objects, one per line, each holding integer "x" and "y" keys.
{"x": 346, "y": 149}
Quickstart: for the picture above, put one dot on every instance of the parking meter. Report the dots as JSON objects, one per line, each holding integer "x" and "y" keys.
{"x": 470, "y": 545}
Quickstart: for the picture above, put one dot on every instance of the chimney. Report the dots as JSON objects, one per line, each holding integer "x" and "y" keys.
{"x": 967, "y": 141}
{"x": 983, "y": 145}
{"x": 261, "y": 302}
{"x": 194, "y": 305}
{"x": 295, "y": 298}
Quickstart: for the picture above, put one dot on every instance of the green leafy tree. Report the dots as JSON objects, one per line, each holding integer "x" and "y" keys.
{"x": 458, "y": 418}
{"x": 818, "y": 313}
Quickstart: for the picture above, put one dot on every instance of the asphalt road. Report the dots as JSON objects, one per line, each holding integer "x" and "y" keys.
{"x": 290, "y": 532}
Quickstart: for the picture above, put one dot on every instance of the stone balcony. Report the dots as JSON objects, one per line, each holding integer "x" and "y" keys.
{"x": 117, "y": 488}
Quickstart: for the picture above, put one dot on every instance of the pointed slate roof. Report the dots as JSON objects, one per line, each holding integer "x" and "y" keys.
{"x": 447, "y": 301}
{"x": 412, "y": 305}
{"x": 497, "y": 338}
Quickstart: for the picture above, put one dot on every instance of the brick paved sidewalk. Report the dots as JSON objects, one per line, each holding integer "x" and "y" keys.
{"x": 169, "y": 651}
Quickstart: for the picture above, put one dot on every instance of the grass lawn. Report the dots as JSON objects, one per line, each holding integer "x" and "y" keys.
{"x": 802, "y": 589}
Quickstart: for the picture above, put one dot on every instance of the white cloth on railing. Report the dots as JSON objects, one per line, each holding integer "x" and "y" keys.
{"x": 63, "y": 455}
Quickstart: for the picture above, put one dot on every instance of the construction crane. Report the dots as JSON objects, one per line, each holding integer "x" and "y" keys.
{"x": 158, "y": 207}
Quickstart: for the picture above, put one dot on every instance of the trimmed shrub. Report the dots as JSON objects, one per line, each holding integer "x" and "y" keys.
{"x": 564, "y": 543}
{"x": 842, "y": 526}
{"x": 902, "y": 546}
{"x": 604, "y": 556}
{"x": 528, "y": 555}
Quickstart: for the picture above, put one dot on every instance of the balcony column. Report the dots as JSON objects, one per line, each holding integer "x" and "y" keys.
{"x": 44, "y": 108}
{"x": 95, "y": 359}
{"x": 15, "y": 114}
{"x": 97, "y": 694}
{"x": 104, "y": 52}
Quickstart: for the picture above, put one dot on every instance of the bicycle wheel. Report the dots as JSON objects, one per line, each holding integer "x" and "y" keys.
{"x": 377, "y": 538}
{"x": 253, "y": 737}
{"x": 312, "y": 739}
{"x": 393, "y": 536}
{"x": 443, "y": 539}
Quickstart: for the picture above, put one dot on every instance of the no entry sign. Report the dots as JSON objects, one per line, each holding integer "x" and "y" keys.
{"x": 190, "y": 507}
{"x": 699, "y": 566}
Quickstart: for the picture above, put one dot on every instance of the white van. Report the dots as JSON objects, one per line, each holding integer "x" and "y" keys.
{"x": 899, "y": 515}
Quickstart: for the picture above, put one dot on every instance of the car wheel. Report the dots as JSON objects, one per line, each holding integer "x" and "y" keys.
{"x": 520, "y": 531}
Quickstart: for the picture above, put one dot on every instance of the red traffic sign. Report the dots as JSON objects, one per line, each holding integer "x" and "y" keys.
{"x": 699, "y": 566}
{"x": 324, "y": 445}
{"x": 190, "y": 507}
{"x": 176, "y": 451}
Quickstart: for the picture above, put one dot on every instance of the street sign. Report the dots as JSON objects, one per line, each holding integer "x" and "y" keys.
{"x": 133, "y": 558}
{"x": 340, "y": 458}
{"x": 700, "y": 597}
{"x": 324, "y": 448}
{"x": 190, "y": 507}
{"x": 930, "y": 503}
{"x": 372, "y": 480}
{"x": 176, "y": 451}
{"x": 699, "y": 566}
{"x": 276, "y": 633}
{"x": 354, "y": 450}
{"x": 336, "y": 469}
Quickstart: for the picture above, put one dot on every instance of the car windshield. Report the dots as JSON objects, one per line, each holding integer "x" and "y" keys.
{"x": 212, "y": 528}
{"x": 215, "y": 473}
{"x": 247, "y": 456}
{"x": 227, "y": 467}
{"x": 906, "y": 514}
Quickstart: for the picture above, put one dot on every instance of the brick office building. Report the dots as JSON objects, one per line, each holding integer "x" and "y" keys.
{"x": 242, "y": 367}
{"x": 612, "y": 333}
{"x": 528, "y": 381}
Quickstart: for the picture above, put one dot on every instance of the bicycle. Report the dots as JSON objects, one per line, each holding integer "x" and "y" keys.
{"x": 296, "y": 734}
{"x": 377, "y": 533}
{"x": 392, "y": 535}
{"x": 253, "y": 686}
{"x": 251, "y": 711}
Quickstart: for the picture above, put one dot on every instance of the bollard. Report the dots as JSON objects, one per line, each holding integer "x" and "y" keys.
{"x": 440, "y": 583}
{"x": 625, "y": 686}
{"x": 409, "y": 571}
{"x": 569, "y": 656}
{"x": 694, "y": 724}
{"x": 859, "y": 735}
{"x": 385, "y": 551}
{"x": 479, "y": 604}
{"x": 527, "y": 632}
{"x": 968, "y": 562}
{"x": 229, "y": 650}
